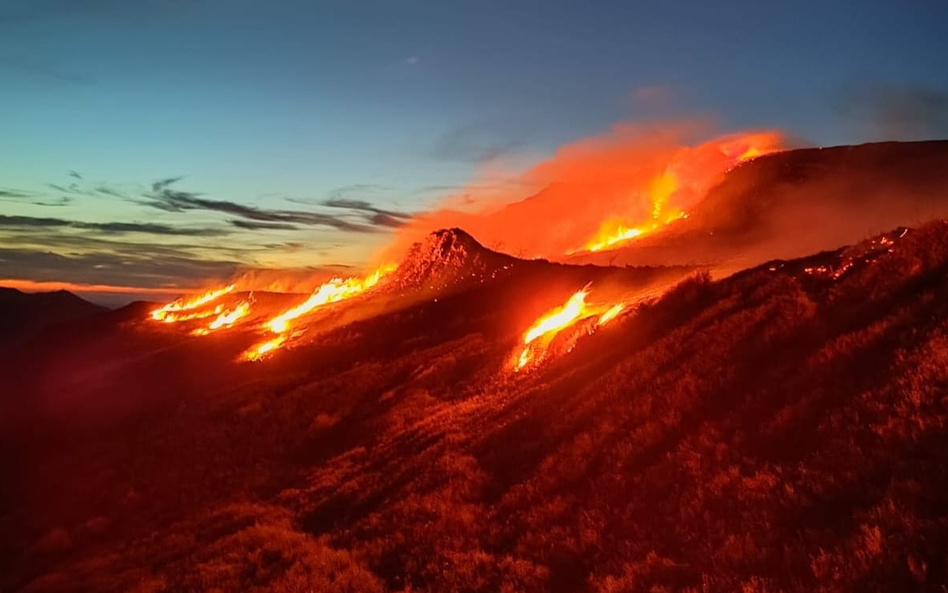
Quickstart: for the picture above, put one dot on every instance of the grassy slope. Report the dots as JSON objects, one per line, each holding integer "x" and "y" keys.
{"x": 774, "y": 431}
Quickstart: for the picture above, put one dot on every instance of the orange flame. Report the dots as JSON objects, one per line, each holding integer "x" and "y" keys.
{"x": 537, "y": 339}
{"x": 333, "y": 291}
{"x": 260, "y": 350}
{"x": 169, "y": 312}
{"x": 551, "y": 324}
{"x": 225, "y": 319}
{"x": 611, "y": 314}
{"x": 662, "y": 188}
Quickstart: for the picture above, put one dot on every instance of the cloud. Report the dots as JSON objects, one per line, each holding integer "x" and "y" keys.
{"x": 894, "y": 112}
{"x": 164, "y": 197}
{"x": 32, "y": 198}
{"x": 127, "y": 268}
{"x": 109, "y": 227}
{"x": 411, "y": 61}
{"x": 478, "y": 142}
{"x": 254, "y": 226}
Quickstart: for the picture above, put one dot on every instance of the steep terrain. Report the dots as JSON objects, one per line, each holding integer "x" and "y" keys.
{"x": 778, "y": 430}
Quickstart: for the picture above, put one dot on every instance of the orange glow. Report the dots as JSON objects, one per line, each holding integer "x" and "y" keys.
{"x": 190, "y": 304}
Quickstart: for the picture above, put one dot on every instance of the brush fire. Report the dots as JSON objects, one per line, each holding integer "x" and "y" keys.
{"x": 539, "y": 337}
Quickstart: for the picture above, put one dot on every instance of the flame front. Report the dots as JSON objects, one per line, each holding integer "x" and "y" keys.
{"x": 260, "y": 350}
{"x": 537, "y": 339}
{"x": 333, "y": 291}
{"x": 551, "y": 324}
{"x": 173, "y": 310}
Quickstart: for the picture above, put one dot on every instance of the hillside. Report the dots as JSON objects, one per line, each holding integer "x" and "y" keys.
{"x": 23, "y": 314}
{"x": 778, "y": 430}
{"x": 793, "y": 203}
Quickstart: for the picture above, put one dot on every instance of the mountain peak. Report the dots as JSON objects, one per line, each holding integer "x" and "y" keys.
{"x": 449, "y": 258}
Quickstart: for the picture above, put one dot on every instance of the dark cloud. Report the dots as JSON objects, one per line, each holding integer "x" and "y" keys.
{"x": 477, "y": 142}
{"x": 110, "y": 227}
{"x": 274, "y": 226}
{"x": 166, "y": 198}
{"x": 137, "y": 269}
{"x": 364, "y": 206}
{"x": 32, "y": 198}
{"x": 893, "y": 112}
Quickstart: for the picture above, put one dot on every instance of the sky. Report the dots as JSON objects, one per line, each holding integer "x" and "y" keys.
{"x": 157, "y": 145}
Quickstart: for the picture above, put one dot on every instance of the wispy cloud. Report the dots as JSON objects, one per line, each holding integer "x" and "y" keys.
{"x": 478, "y": 142}
{"x": 110, "y": 227}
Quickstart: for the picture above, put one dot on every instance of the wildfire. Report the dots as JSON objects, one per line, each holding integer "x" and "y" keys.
{"x": 611, "y": 314}
{"x": 258, "y": 351}
{"x": 172, "y": 311}
{"x": 335, "y": 290}
{"x": 538, "y": 336}
{"x": 225, "y": 319}
{"x": 558, "y": 318}
{"x": 674, "y": 181}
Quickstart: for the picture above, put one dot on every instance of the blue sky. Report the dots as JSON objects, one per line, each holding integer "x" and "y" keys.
{"x": 283, "y": 105}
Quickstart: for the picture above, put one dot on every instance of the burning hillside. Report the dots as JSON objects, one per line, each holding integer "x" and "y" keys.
{"x": 597, "y": 193}
{"x": 446, "y": 262}
{"x": 786, "y": 423}
{"x": 795, "y": 203}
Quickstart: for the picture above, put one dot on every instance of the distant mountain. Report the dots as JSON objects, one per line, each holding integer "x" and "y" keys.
{"x": 793, "y": 203}
{"x": 23, "y": 314}
{"x": 781, "y": 429}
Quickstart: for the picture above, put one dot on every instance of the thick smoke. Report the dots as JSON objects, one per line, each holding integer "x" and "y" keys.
{"x": 633, "y": 175}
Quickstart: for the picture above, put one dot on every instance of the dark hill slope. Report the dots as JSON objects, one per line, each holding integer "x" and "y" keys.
{"x": 779, "y": 430}
{"x": 23, "y": 314}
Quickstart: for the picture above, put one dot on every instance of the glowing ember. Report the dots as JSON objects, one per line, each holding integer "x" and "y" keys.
{"x": 171, "y": 310}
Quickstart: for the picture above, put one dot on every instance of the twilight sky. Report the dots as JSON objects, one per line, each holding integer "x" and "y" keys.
{"x": 160, "y": 143}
